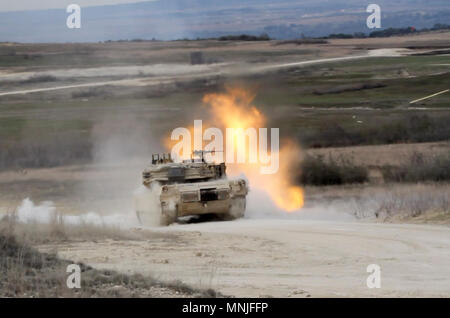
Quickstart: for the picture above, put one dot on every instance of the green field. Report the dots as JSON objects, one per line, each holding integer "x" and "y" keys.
{"x": 363, "y": 101}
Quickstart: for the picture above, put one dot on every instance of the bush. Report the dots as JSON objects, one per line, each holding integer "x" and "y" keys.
{"x": 399, "y": 201}
{"x": 392, "y": 31}
{"x": 418, "y": 168}
{"x": 61, "y": 150}
{"x": 245, "y": 37}
{"x": 40, "y": 79}
{"x": 413, "y": 128}
{"x": 318, "y": 171}
{"x": 91, "y": 92}
{"x": 303, "y": 41}
{"x": 340, "y": 36}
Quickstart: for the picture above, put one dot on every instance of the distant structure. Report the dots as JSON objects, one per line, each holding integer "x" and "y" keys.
{"x": 197, "y": 58}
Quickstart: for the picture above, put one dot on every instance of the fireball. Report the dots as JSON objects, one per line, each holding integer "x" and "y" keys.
{"x": 235, "y": 109}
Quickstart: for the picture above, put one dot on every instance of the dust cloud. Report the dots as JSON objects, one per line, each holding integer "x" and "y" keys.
{"x": 123, "y": 144}
{"x": 122, "y": 148}
{"x": 46, "y": 213}
{"x": 146, "y": 202}
{"x": 260, "y": 206}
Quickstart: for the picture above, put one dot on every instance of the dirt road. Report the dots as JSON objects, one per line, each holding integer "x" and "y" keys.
{"x": 396, "y": 52}
{"x": 141, "y": 81}
{"x": 161, "y": 74}
{"x": 286, "y": 258}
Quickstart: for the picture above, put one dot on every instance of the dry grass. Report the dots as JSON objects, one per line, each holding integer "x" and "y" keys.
{"x": 382, "y": 155}
{"x": 58, "y": 231}
{"x": 420, "y": 168}
{"x": 26, "y": 272}
{"x": 391, "y": 202}
{"x": 397, "y": 202}
{"x": 417, "y": 162}
{"x": 317, "y": 170}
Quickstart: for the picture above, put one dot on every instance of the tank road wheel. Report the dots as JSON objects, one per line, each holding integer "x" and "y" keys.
{"x": 237, "y": 209}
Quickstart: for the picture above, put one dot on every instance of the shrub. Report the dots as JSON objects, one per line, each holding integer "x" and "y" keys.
{"x": 318, "y": 171}
{"x": 61, "y": 150}
{"x": 303, "y": 41}
{"x": 419, "y": 168}
{"x": 245, "y": 37}
{"x": 413, "y": 128}
{"x": 392, "y": 31}
{"x": 390, "y": 202}
{"x": 40, "y": 79}
{"x": 91, "y": 92}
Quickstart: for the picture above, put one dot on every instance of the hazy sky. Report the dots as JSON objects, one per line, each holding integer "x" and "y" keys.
{"x": 15, "y": 5}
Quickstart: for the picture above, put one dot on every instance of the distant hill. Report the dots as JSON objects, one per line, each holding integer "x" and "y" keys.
{"x": 177, "y": 19}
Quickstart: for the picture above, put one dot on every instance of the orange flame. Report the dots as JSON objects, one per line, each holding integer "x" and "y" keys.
{"x": 234, "y": 109}
{"x": 282, "y": 191}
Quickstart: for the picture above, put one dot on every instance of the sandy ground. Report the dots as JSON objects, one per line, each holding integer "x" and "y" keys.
{"x": 286, "y": 258}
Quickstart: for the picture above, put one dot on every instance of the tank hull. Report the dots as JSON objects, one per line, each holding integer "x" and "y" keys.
{"x": 221, "y": 197}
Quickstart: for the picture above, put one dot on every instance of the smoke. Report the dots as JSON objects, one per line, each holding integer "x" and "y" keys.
{"x": 123, "y": 144}
{"x": 124, "y": 138}
{"x": 46, "y": 213}
{"x": 27, "y": 212}
{"x": 146, "y": 203}
{"x": 235, "y": 109}
{"x": 103, "y": 192}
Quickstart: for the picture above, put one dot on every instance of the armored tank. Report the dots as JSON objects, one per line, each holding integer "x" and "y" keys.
{"x": 191, "y": 187}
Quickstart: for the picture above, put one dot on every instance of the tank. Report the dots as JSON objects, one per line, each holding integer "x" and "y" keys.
{"x": 191, "y": 187}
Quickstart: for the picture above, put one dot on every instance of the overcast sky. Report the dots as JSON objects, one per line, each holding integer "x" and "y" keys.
{"x": 15, "y": 5}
